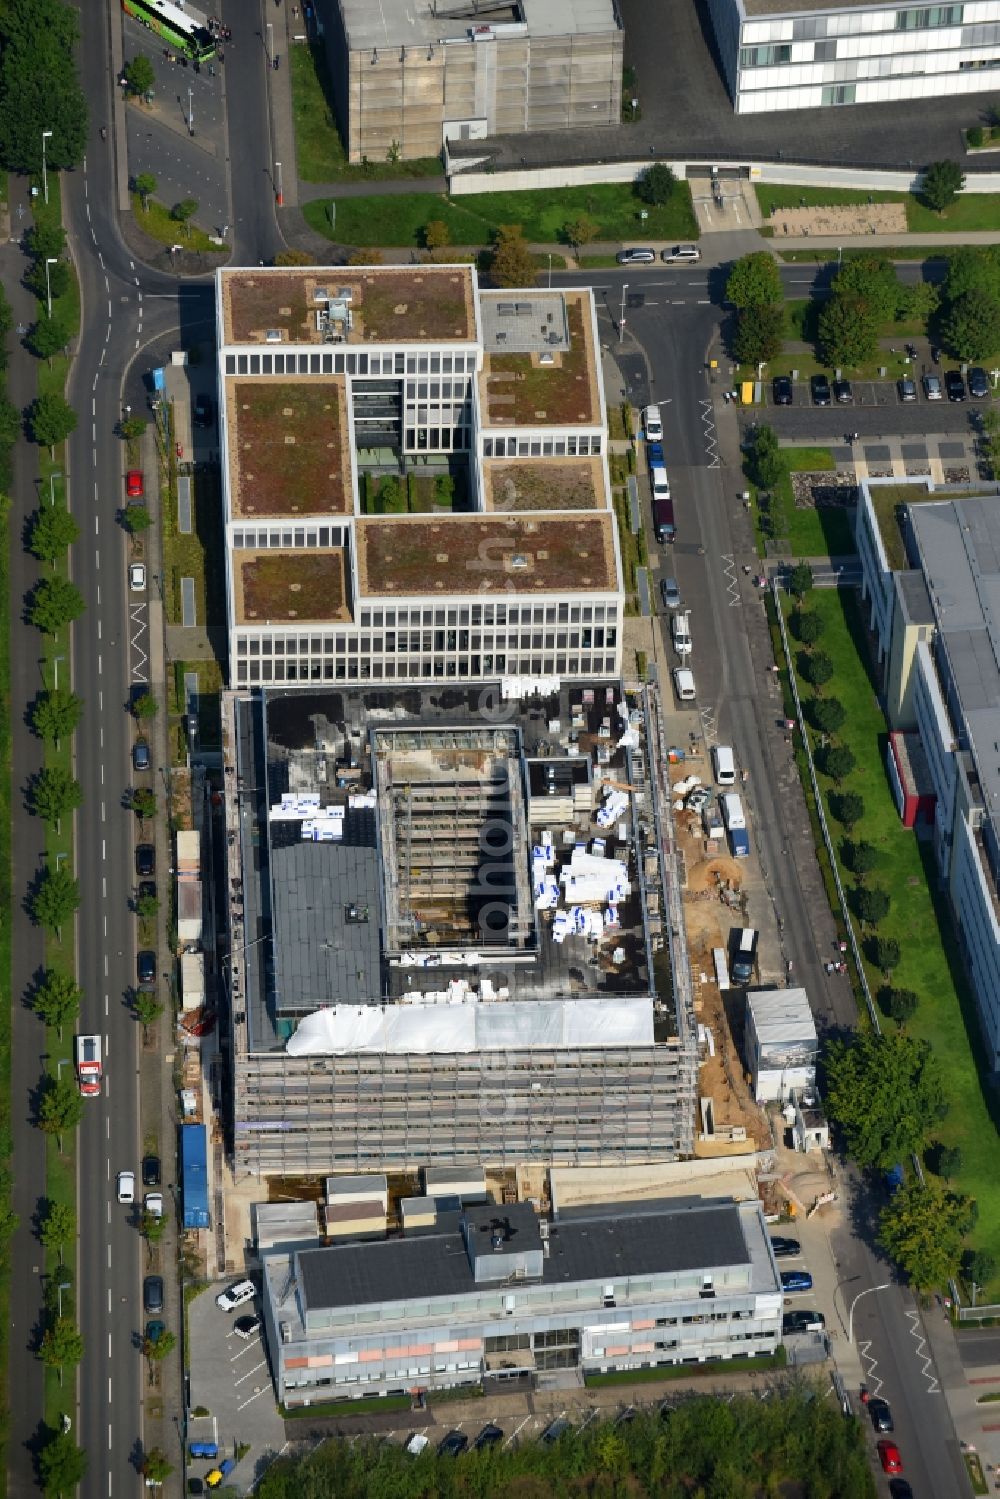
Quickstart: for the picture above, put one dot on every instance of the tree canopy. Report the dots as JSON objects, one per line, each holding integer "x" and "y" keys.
{"x": 511, "y": 262}
{"x": 885, "y": 1092}
{"x": 755, "y": 281}
{"x": 656, "y": 184}
{"x": 971, "y": 326}
{"x": 848, "y": 331}
{"x": 54, "y": 792}
{"x": 139, "y": 75}
{"x": 57, "y": 1229}
{"x": 55, "y": 897}
{"x": 62, "y": 1344}
{"x": 59, "y": 1105}
{"x": 61, "y": 1466}
{"x": 943, "y": 181}
{"x": 874, "y": 279}
{"x": 55, "y": 715}
{"x": 51, "y": 419}
{"x": 923, "y": 1227}
{"x": 53, "y": 529}
{"x": 55, "y": 602}
{"x": 57, "y": 999}
{"x": 38, "y": 86}
{"x": 759, "y": 334}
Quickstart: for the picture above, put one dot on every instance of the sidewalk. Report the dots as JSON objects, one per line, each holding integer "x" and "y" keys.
{"x": 882, "y": 241}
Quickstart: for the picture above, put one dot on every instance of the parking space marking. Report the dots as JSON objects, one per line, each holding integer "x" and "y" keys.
{"x": 246, "y": 1349}
{"x": 250, "y": 1372}
{"x": 514, "y": 1434}
{"x": 266, "y": 1390}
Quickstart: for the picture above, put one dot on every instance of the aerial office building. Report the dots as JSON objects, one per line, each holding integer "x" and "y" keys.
{"x": 931, "y": 582}
{"x": 409, "y": 75}
{"x": 785, "y": 54}
{"x": 506, "y": 1294}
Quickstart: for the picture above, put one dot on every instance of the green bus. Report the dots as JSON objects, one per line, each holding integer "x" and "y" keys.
{"x": 187, "y": 29}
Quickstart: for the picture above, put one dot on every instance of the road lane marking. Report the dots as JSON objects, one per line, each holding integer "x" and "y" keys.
{"x": 99, "y": 629}
{"x": 104, "y": 817}
{"x": 933, "y": 1388}
{"x": 109, "y": 1436}
{"x": 105, "y": 1005}
{"x": 107, "y": 1136}
{"x": 109, "y": 1377}
{"x": 104, "y": 846}
{"x": 109, "y": 1335}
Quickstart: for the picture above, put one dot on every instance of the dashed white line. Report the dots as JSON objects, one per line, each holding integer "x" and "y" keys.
{"x": 105, "y": 965}
{"x": 104, "y": 848}
{"x": 104, "y": 815}
{"x": 109, "y": 1436}
{"x": 98, "y": 629}
{"x": 109, "y": 1219}
{"x": 109, "y": 1378}
{"x": 109, "y": 1335}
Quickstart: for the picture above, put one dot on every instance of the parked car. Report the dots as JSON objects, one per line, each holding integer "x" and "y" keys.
{"x": 152, "y": 1204}
{"x": 784, "y": 1248}
{"x": 151, "y": 1170}
{"x": 195, "y": 1486}
{"x": 888, "y": 1456}
{"x": 819, "y": 389}
{"x": 796, "y": 1280}
{"x": 652, "y": 425}
{"x": 135, "y": 486}
{"x": 881, "y": 1415}
{"x": 125, "y": 1183}
{"x": 490, "y": 1436}
{"x": 907, "y": 389}
{"x": 145, "y": 859}
{"x": 979, "y": 385}
{"x": 203, "y": 410}
{"x": 137, "y": 577}
{"x": 555, "y": 1429}
{"x": 932, "y": 387}
{"x": 246, "y": 1328}
{"x": 635, "y": 256}
{"x": 954, "y": 385}
{"x": 680, "y": 630}
{"x": 454, "y": 1443}
{"x": 416, "y": 1444}
{"x": 145, "y": 966}
{"x": 216, "y": 1476}
{"x": 140, "y": 755}
{"x": 802, "y": 1321}
{"x": 681, "y": 255}
{"x": 843, "y": 392}
{"x": 152, "y": 1293}
{"x": 238, "y": 1294}
{"x": 654, "y": 455}
{"x": 670, "y": 594}
{"x": 900, "y": 1489}
{"x": 684, "y": 684}
{"x": 781, "y": 390}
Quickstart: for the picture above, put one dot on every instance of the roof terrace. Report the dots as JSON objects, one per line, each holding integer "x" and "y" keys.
{"x": 549, "y": 386}
{"x": 403, "y": 556}
{"x": 279, "y": 587}
{"x": 289, "y": 447}
{"x": 387, "y": 305}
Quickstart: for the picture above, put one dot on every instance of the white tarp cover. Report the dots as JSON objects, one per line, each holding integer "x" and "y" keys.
{"x": 521, "y": 1024}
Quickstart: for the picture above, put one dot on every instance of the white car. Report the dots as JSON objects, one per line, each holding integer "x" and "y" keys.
{"x": 684, "y": 684}
{"x": 680, "y": 629}
{"x": 652, "y": 424}
{"x": 153, "y": 1204}
{"x": 680, "y": 255}
{"x": 126, "y": 1187}
{"x": 137, "y": 577}
{"x": 236, "y": 1295}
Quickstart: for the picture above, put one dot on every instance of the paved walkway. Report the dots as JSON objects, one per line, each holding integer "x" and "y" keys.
{"x": 884, "y": 241}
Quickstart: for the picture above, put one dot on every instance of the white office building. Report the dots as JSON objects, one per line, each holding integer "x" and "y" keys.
{"x": 781, "y": 54}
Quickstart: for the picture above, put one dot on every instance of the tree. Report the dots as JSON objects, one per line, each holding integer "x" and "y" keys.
{"x": 146, "y": 907}
{"x": 144, "y": 803}
{"x": 144, "y": 705}
{"x": 156, "y": 1468}
{"x": 899, "y": 1004}
{"x": 848, "y": 808}
{"x": 49, "y": 336}
{"x": 800, "y": 580}
{"x": 828, "y": 714}
{"x": 59, "y": 1106}
{"x": 884, "y": 953}
{"x": 759, "y": 334}
{"x": 294, "y": 257}
{"x": 948, "y": 1161}
{"x": 57, "y": 999}
{"x": 393, "y": 153}
{"x": 807, "y": 626}
{"x": 139, "y": 75}
{"x": 53, "y": 529}
{"x": 871, "y": 904}
{"x": 145, "y": 186}
{"x": 147, "y": 1009}
{"x": 39, "y": 88}
{"x": 436, "y": 235}
{"x": 137, "y": 519}
{"x": 184, "y": 211}
{"x": 922, "y": 1228}
{"x": 57, "y": 1229}
{"x": 582, "y": 230}
{"x": 885, "y": 1092}
{"x": 54, "y": 792}
{"x": 62, "y": 1344}
{"x": 859, "y": 857}
{"x": 54, "y": 899}
{"x": 971, "y": 326}
{"x": 973, "y": 268}
{"x": 816, "y": 667}
{"x": 48, "y": 280}
{"x": 656, "y": 184}
{"x": 46, "y": 240}
{"x": 61, "y": 1466}
{"x": 133, "y": 427}
{"x": 848, "y": 331}
{"x": 755, "y": 281}
{"x": 837, "y": 762}
{"x": 55, "y": 602}
{"x": 51, "y": 419}
{"x": 943, "y": 181}
{"x": 156, "y": 1349}
{"x": 55, "y": 715}
{"x": 152, "y": 1227}
{"x": 873, "y": 279}
{"x": 766, "y": 465}
{"x": 511, "y": 262}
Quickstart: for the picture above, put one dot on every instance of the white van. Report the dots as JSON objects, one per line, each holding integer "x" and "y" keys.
{"x": 680, "y": 629}
{"x": 725, "y": 765}
{"x": 684, "y": 685}
{"x": 661, "y": 484}
{"x": 732, "y": 812}
{"x": 652, "y": 424}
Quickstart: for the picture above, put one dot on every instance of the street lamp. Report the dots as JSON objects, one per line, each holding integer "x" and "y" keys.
{"x": 869, "y": 1292}
{"x": 550, "y": 270}
{"x": 64, "y": 1285}
{"x": 52, "y": 490}
{"x": 621, "y": 320}
{"x": 190, "y": 111}
{"x": 46, "y": 136}
{"x": 281, "y": 196}
{"x": 49, "y": 260}
{"x": 270, "y": 42}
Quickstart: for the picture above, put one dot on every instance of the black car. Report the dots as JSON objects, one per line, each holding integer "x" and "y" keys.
{"x": 843, "y": 393}
{"x": 195, "y": 1486}
{"x": 140, "y": 755}
{"x": 203, "y": 410}
{"x": 151, "y": 1170}
{"x": 900, "y": 1489}
{"x": 490, "y": 1436}
{"x": 819, "y": 388}
{"x": 881, "y": 1415}
{"x": 784, "y": 1248}
{"x": 907, "y": 389}
{"x": 454, "y": 1443}
{"x": 145, "y": 966}
{"x": 803, "y": 1321}
{"x": 555, "y": 1429}
{"x": 145, "y": 860}
{"x": 781, "y": 390}
{"x": 954, "y": 385}
{"x": 152, "y": 1293}
{"x": 979, "y": 385}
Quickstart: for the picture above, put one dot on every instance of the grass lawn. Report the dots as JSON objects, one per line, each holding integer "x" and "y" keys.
{"x": 970, "y": 211}
{"x": 319, "y": 151}
{"x": 826, "y": 531}
{"x": 918, "y": 918}
{"x": 156, "y": 220}
{"x": 891, "y": 252}
{"x": 719, "y": 1367}
{"x": 197, "y": 555}
{"x": 473, "y": 220}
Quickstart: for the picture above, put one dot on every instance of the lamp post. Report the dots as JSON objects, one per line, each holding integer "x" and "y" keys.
{"x": 621, "y": 320}
{"x": 63, "y": 1285}
{"x": 869, "y": 1292}
{"x": 52, "y": 490}
{"x": 550, "y": 270}
{"x": 46, "y": 136}
{"x": 49, "y": 260}
{"x": 270, "y": 42}
{"x": 190, "y": 111}
{"x": 281, "y": 196}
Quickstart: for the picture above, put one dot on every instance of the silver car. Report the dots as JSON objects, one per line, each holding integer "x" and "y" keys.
{"x": 932, "y": 387}
{"x": 680, "y": 255}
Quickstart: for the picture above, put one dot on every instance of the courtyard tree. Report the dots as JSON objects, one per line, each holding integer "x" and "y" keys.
{"x": 56, "y": 895}
{"x": 807, "y": 626}
{"x": 922, "y": 1228}
{"x": 53, "y": 529}
{"x": 943, "y": 181}
{"x": 437, "y": 235}
{"x": 656, "y": 184}
{"x": 759, "y": 334}
{"x": 885, "y": 1092}
{"x": 51, "y": 419}
{"x": 836, "y": 761}
{"x": 55, "y": 715}
{"x": 54, "y": 791}
{"x": 139, "y": 75}
{"x": 816, "y": 667}
{"x": 859, "y": 857}
{"x": 848, "y": 331}
{"x": 970, "y": 327}
{"x": 848, "y": 808}
{"x": 899, "y": 1004}
{"x": 183, "y": 212}
{"x": 57, "y": 999}
{"x": 55, "y": 602}
{"x": 511, "y": 262}
{"x": 884, "y": 953}
{"x": 871, "y": 904}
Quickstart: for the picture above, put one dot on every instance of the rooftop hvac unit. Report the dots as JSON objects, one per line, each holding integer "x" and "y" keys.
{"x": 518, "y": 560}
{"x": 286, "y": 1331}
{"x": 320, "y": 294}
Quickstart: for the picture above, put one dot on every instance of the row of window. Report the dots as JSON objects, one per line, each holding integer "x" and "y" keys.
{"x": 854, "y": 23}
{"x": 489, "y": 614}
{"x": 541, "y": 447}
{"x": 285, "y": 540}
{"x": 325, "y": 362}
{"x": 890, "y": 65}
{"x": 251, "y": 672}
{"x": 436, "y": 440}
{"x": 402, "y": 643}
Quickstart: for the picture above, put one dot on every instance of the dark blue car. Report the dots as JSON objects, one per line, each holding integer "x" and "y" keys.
{"x": 796, "y": 1280}
{"x": 654, "y": 453}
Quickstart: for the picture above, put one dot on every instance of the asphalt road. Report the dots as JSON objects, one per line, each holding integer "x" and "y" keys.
{"x": 979, "y": 1350}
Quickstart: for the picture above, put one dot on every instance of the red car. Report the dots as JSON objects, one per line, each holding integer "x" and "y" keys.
{"x": 888, "y": 1456}
{"x": 134, "y": 487}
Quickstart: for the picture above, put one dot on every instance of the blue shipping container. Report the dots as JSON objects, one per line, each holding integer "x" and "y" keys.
{"x": 194, "y": 1176}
